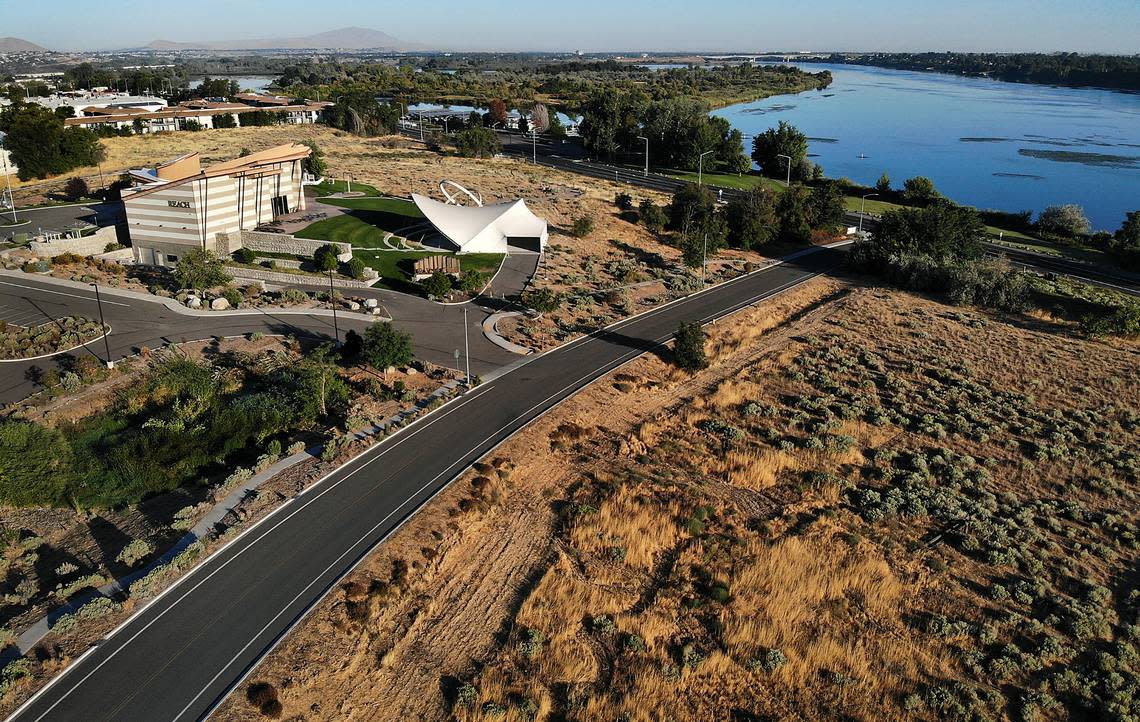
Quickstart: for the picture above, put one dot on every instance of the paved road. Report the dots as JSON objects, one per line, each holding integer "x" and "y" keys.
{"x": 137, "y": 323}
{"x": 184, "y": 653}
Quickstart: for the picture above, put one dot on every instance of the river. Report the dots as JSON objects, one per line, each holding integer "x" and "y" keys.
{"x": 985, "y": 143}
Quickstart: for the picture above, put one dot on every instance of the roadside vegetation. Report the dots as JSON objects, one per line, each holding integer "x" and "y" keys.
{"x": 50, "y": 337}
{"x": 870, "y": 504}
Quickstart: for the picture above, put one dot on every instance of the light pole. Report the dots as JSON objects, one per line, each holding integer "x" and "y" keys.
{"x": 789, "y": 183}
{"x": 106, "y": 344}
{"x": 862, "y": 205}
{"x": 421, "y": 126}
{"x": 534, "y": 145}
{"x": 332, "y": 303}
{"x": 466, "y": 347}
{"x": 642, "y": 137}
{"x": 701, "y": 166}
{"x": 704, "y": 258}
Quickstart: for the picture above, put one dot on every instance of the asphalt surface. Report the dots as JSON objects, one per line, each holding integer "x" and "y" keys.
{"x": 62, "y": 218}
{"x": 183, "y": 654}
{"x": 437, "y": 331}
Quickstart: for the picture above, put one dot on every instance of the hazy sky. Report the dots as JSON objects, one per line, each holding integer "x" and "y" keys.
{"x": 599, "y": 25}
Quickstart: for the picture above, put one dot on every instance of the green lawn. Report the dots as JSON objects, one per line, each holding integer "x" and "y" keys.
{"x": 340, "y": 186}
{"x": 365, "y": 227}
{"x": 744, "y": 182}
{"x": 395, "y": 267}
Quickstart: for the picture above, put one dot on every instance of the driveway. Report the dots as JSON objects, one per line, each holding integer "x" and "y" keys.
{"x": 512, "y": 279}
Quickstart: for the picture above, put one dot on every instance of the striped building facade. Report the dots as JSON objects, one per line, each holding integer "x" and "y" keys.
{"x": 187, "y": 207}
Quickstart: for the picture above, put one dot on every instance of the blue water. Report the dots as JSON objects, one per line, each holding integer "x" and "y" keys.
{"x": 909, "y": 123}
{"x": 256, "y": 83}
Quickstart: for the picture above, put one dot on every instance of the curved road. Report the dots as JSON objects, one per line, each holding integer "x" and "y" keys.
{"x": 137, "y": 322}
{"x": 181, "y": 656}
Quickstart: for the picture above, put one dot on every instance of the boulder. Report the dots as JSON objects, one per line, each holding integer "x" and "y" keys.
{"x": 390, "y": 370}
{"x": 411, "y": 371}
{"x": 194, "y": 302}
{"x": 371, "y": 302}
{"x": 377, "y": 312}
{"x": 219, "y": 304}
{"x": 353, "y": 306}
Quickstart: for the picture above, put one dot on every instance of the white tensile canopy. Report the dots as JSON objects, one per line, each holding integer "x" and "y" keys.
{"x": 486, "y": 229}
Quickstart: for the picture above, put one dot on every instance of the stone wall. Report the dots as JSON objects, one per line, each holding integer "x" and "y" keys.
{"x": 285, "y": 243}
{"x": 293, "y": 279}
{"x": 86, "y": 246}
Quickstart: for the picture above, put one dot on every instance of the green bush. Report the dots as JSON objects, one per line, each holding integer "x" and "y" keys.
{"x": 582, "y": 227}
{"x": 244, "y": 255}
{"x": 233, "y": 296}
{"x": 689, "y": 347}
{"x": 543, "y": 300}
{"x": 36, "y": 465}
{"x": 356, "y": 268}
{"x": 385, "y": 345}
{"x": 437, "y": 285}
{"x": 325, "y": 258}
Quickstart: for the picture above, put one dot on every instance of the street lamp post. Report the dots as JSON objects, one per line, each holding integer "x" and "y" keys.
{"x": 534, "y": 145}
{"x": 789, "y": 183}
{"x": 642, "y": 137}
{"x": 862, "y": 205}
{"x": 701, "y": 166}
{"x": 332, "y": 303}
{"x": 466, "y": 347}
{"x": 106, "y": 343}
{"x": 421, "y": 127}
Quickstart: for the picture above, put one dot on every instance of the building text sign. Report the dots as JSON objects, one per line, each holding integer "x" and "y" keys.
{"x": 178, "y": 204}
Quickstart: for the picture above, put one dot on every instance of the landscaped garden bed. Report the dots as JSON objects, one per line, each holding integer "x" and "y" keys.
{"x": 19, "y": 342}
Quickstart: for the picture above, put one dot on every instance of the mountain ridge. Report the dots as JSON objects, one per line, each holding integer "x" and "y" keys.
{"x": 19, "y": 45}
{"x": 349, "y": 38}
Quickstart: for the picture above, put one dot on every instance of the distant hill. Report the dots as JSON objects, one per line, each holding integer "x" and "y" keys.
{"x": 342, "y": 39}
{"x": 16, "y": 45}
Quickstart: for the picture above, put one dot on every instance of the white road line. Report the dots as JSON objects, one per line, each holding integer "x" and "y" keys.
{"x": 61, "y": 293}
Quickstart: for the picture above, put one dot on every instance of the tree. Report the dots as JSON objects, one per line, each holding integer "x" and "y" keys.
{"x": 794, "y": 212}
{"x": 215, "y": 88}
{"x": 1125, "y": 244}
{"x": 477, "y": 143}
{"x": 315, "y": 164}
{"x": 919, "y": 190}
{"x": 524, "y": 126}
{"x": 883, "y": 185}
{"x": 826, "y": 206}
{"x": 225, "y": 120}
{"x": 76, "y": 188}
{"x": 768, "y": 146}
{"x": 318, "y": 385}
{"x": 543, "y": 300}
{"x": 539, "y": 118}
{"x": 1067, "y": 221}
{"x": 692, "y": 213}
{"x": 751, "y": 219}
{"x": 352, "y": 347}
{"x": 612, "y": 121}
{"x": 497, "y": 113}
{"x": 199, "y": 269}
{"x": 325, "y": 258}
{"x": 940, "y": 230}
{"x": 42, "y": 146}
{"x": 689, "y": 347}
{"x": 385, "y": 345}
{"x": 437, "y": 285}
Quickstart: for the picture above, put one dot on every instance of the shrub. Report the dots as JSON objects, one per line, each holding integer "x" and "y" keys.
{"x": 36, "y": 463}
{"x": 582, "y": 227}
{"x": 473, "y": 281}
{"x": 689, "y": 347}
{"x": 134, "y": 552}
{"x": 467, "y": 695}
{"x": 768, "y": 661}
{"x": 624, "y": 201}
{"x": 263, "y": 696}
{"x": 356, "y": 268}
{"x": 543, "y": 300}
{"x": 437, "y": 285}
{"x": 76, "y": 188}
{"x": 233, "y": 296}
{"x": 244, "y": 255}
{"x": 531, "y": 646}
{"x": 652, "y": 216}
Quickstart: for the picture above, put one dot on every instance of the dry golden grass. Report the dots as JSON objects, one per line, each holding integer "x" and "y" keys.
{"x": 636, "y": 525}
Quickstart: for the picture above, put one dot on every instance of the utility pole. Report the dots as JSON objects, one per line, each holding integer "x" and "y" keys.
{"x": 332, "y": 303}
{"x": 466, "y": 347}
{"x": 789, "y": 183}
{"x": 704, "y": 258}
{"x": 534, "y": 145}
{"x": 106, "y": 343}
{"x": 642, "y": 137}
{"x": 421, "y": 127}
{"x": 701, "y": 166}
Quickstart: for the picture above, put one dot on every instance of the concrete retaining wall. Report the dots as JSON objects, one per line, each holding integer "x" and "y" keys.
{"x": 86, "y": 246}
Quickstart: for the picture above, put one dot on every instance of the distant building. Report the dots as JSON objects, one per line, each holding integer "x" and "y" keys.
{"x": 80, "y": 101}
{"x": 179, "y": 205}
{"x": 201, "y": 111}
